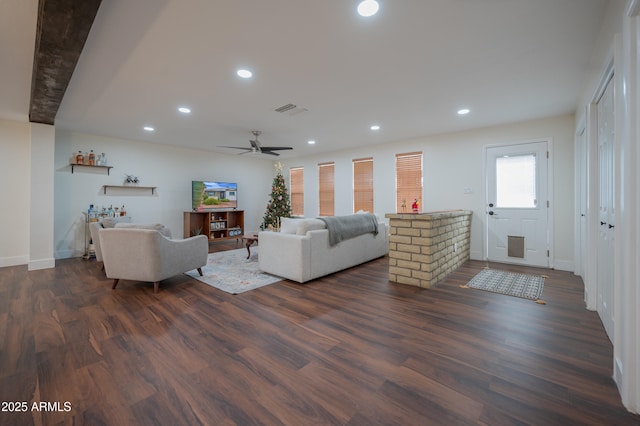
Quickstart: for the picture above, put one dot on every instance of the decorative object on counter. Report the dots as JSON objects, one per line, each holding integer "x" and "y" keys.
{"x": 102, "y": 159}
{"x": 414, "y": 205}
{"x": 131, "y": 180}
{"x": 403, "y": 205}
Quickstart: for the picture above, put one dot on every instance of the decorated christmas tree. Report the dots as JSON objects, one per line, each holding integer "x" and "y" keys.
{"x": 279, "y": 204}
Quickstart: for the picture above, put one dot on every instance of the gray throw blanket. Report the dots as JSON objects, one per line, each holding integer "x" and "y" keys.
{"x": 345, "y": 227}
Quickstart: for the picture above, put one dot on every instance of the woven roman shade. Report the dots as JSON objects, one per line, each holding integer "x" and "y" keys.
{"x": 326, "y": 173}
{"x": 408, "y": 180}
{"x": 363, "y": 184}
{"x": 296, "y": 183}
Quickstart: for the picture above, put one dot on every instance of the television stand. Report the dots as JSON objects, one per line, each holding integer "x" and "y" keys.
{"x": 216, "y": 225}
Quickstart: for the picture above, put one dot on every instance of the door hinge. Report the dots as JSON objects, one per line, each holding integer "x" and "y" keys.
{"x": 547, "y": 253}
{"x": 547, "y": 203}
{"x": 547, "y": 155}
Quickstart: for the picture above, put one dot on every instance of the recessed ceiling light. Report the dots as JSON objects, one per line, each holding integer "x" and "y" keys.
{"x": 311, "y": 142}
{"x": 244, "y": 73}
{"x": 375, "y": 127}
{"x": 368, "y": 8}
{"x": 184, "y": 110}
{"x": 148, "y": 128}
{"x": 464, "y": 111}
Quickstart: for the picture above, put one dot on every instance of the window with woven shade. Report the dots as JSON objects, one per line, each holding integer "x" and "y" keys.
{"x": 326, "y": 173}
{"x": 408, "y": 180}
{"x": 363, "y": 185}
{"x": 296, "y": 183}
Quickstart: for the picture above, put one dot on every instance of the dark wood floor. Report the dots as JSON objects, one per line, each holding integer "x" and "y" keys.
{"x": 348, "y": 349}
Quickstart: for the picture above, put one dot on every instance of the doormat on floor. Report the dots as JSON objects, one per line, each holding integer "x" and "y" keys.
{"x": 510, "y": 283}
{"x": 232, "y": 272}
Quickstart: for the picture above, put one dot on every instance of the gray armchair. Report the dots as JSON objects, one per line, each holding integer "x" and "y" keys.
{"x": 147, "y": 255}
{"x": 95, "y": 227}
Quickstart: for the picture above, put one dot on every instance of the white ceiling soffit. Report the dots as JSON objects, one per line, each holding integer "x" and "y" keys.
{"x": 409, "y": 69}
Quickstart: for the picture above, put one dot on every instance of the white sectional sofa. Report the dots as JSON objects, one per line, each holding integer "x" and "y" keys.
{"x": 301, "y": 251}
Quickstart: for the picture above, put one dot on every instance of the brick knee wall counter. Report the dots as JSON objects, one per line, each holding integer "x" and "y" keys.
{"x": 425, "y": 247}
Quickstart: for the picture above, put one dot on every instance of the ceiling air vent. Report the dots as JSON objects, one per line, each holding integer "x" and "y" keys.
{"x": 290, "y": 109}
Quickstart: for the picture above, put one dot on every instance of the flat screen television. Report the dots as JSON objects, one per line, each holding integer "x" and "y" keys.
{"x": 207, "y": 195}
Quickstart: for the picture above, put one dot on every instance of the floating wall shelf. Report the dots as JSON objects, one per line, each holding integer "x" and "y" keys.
{"x": 107, "y": 168}
{"x": 132, "y": 187}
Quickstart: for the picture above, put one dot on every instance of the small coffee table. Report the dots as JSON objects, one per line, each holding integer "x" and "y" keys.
{"x": 249, "y": 239}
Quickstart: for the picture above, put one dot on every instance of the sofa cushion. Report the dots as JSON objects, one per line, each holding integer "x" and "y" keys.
{"x": 108, "y": 222}
{"x": 307, "y": 225}
{"x": 157, "y": 226}
{"x": 288, "y": 225}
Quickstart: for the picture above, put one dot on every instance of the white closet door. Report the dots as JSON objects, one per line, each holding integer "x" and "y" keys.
{"x": 606, "y": 213}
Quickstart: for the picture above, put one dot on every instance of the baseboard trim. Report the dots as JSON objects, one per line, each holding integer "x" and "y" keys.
{"x": 564, "y": 265}
{"x": 35, "y": 265}
{"x": 68, "y": 254}
{"x": 476, "y": 255}
{"x": 13, "y": 261}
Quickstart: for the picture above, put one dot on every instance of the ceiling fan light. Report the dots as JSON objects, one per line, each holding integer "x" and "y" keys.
{"x": 368, "y": 8}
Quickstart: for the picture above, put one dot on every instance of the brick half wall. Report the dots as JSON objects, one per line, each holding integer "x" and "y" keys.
{"x": 425, "y": 248}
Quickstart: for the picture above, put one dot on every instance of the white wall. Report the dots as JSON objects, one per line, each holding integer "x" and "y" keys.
{"x": 170, "y": 169}
{"x": 618, "y": 44}
{"x": 453, "y": 162}
{"x": 42, "y": 145}
{"x": 15, "y": 180}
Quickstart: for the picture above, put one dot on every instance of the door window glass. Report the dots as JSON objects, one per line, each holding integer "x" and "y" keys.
{"x": 516, "y": 181}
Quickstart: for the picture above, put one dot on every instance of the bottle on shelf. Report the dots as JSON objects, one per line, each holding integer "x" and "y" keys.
{"x": 79, "y": 158}
{"x": 92, "y": 214}
{"x": 92, "y": 158}
{"x": 123, "y": 212}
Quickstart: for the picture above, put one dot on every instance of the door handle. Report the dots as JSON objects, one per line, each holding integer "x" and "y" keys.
{"x": 611, "y": 226}
{"x": 602, "y": 223}
{"x": 490, "y": 204}
{"x": 491, "y": 213}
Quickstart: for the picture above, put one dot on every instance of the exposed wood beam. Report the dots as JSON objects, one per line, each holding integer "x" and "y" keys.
{"x": 63, "y": 28}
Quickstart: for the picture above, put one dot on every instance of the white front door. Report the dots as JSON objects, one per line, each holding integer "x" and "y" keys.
{"x": 517, "y": 204}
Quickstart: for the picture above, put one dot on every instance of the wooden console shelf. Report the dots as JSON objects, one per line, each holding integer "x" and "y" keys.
{"x": 145, "y": 188}
{"x": 107, "y": 168}
{"x": 216, "y": 225}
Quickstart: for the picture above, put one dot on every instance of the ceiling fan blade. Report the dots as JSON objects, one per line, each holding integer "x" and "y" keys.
{"x": 269, "y": 152}
{"x": 275, "y": 148}
{"x": 235, "y": 147}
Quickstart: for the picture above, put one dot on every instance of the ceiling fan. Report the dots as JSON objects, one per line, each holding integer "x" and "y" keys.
{"x": 257, "y": 148}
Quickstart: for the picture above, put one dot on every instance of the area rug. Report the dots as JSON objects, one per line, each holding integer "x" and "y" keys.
{"x": 510, "y": 283}
{"x": 232, "y": 272}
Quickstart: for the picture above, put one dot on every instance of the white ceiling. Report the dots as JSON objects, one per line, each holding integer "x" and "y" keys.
{"x": 409, "y": 68}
